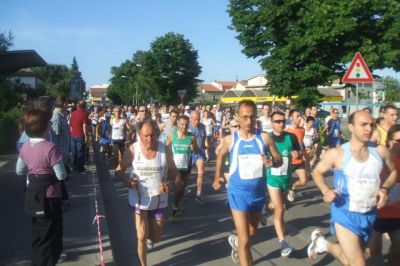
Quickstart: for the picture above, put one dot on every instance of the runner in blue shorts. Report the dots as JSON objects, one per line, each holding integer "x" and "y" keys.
{"x": 199, "y": 131}
{"x": 246, "y": 190}
{"x": 357, "y": 192}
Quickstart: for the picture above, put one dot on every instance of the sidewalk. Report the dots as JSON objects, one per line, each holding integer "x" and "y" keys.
{"x": 80, "y": 235}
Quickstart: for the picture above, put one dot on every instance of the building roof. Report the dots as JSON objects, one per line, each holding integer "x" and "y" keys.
{"x": 13, "y": 61}
{"x": 98, "y": 90}
{"x": 226, "y": 84}
{"x": 328, "y": 92}
{"x": 209, "y": 88}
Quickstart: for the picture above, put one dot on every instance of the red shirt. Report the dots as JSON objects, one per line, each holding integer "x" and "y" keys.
{"x": 78, "y": 119}
{"x": 392, "y": 209}
{"x": 299, "y": 132}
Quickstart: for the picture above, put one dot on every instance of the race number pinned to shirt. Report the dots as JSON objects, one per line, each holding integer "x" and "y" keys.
{"x": 181, "y": 161}
{"x": 362, "y": 193}
{"x": 250, "y": 166}
{"x": 283, "y": 169}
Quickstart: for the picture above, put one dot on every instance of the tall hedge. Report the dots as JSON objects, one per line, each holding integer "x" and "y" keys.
{"x": 9, "y": 129}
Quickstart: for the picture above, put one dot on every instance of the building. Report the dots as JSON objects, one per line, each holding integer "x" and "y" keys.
{"x": 98, "y": 94}
{"x": 27, "y": 80}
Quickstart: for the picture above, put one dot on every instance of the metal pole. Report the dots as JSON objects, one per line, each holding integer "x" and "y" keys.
{"x": 356, "y": 96}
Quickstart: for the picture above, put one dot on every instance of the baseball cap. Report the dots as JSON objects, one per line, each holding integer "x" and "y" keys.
{"x": 187, "y": 107}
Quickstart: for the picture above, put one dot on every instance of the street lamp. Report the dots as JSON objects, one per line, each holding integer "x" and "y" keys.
{"x": 134, "y": 96}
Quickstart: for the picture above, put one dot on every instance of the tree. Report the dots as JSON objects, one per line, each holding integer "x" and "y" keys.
{"x": 125, "y": 80}
{"x": 57, "y": 79}
{"x": 303, "y": 44}
{"x": 392, "y": 89}
{"x": 169, "y": 66}
{"x": 6, "y": 41}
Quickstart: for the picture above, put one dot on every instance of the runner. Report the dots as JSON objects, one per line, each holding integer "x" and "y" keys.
{"x": 198, "y": 130}
{"x": 170, "y": 125}
{"x": 357, "y": 192}
{"x": 332, "y": 129}
{"x": 389, "y": 118}
{"x": 246, "y": 190}
{"x": 280, "y": 178}
{"x": 183, "y": 143}
{"x": 298, "y": 165}
{"x": 148, "y": 189}
{"x": 264, "y": 122}
{"x": 388, "y": 220}
{"x": 118, "y": 135}
{"x": 94, "y": 116}
{"x": 209, "y": 124}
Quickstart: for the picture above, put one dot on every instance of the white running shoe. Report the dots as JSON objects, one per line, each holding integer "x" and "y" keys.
{"x": 286, "y": 249}
{"x": 235, "y": 256}
{"x": 315, "y": 246}
{"x": 232, "y": 239}
{"x": 291, "y": 195}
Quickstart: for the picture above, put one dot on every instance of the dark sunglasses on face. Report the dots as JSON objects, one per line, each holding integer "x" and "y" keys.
{"x": 141, "y": 111}
{"x": 396, "y": 140}
{"x": 235, "y": 126}
{"x": 278, "y": 121}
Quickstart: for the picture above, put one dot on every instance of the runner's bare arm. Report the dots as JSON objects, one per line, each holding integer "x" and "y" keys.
{"x": 125, "y": 163}
{"x": 327, "y": 163}
{"x": 172, "y": 172}
{"x": 223, "y": 150}
{"x": 390, "y": 180}
{"x": 193, "y": 146}
{"x": 276, "y": 157}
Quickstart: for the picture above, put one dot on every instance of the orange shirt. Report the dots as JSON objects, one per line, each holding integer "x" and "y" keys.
{"x": 392, "y": 209}
{"x": 299, "y": 132}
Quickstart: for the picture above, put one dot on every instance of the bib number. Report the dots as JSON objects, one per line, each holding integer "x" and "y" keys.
{"x": 283, "y": 169}
{"x": 250, "y": 166}
{"x": 362, "y": 191}
{"x": 181, "y": 161}
{"x": 151, "y": 185}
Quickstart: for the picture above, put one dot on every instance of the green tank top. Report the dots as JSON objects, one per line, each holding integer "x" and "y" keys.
{"x": 181, "y": 150}
{"x": 285, "y": 150}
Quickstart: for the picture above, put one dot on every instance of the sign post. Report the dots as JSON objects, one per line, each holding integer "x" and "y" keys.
{"x": 182, "y": 94}
{"x": 358, "y": 72}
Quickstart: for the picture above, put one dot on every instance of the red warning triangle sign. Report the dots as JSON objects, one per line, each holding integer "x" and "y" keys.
{"x": 358, "y": 71}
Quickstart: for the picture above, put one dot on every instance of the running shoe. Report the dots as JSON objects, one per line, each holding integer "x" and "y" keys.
{"x": 235, "y": 256}
{"x": 317, "y": 245}
{"x": 176, "y": 212}
{"x": 200, "y": 200}
{"x": 150, "y": 244}
{"x": 291, "y": 195}
{"x": 286, "y": 249}
{"x": 63, "y": 257}
{"x": 232, "y": 239}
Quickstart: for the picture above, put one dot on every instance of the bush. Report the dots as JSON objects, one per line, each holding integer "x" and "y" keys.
{"x": 9, "y": 129}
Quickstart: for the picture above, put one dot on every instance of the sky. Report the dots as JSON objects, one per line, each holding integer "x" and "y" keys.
{"x": 102, "y": 34}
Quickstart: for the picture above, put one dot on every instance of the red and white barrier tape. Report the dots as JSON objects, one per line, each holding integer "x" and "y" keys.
{"x": 97, "y": 220}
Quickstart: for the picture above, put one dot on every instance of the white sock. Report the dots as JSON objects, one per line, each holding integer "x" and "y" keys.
{"x": 198, "y": 193}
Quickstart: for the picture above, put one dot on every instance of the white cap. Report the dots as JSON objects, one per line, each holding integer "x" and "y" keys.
{"x": 187, "y": 107}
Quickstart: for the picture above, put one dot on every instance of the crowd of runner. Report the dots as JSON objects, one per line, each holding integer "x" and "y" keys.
{"x": 263, "y": 160}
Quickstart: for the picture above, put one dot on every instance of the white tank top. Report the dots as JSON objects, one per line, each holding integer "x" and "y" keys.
{"x": 208, "y": 125}
{"x": 265, "y": 124}
{"x": 308, "y": 137}
{"x": 117, "y": 129}
{"x": 150, "y": 173}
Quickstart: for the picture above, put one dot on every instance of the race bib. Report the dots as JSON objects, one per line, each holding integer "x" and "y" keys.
{"x": 362, "y": 193}
{"x": 250, "y": 166}
{"x": 336, "y": 133}
{"x": 151, "y": 185}
{"x": 282, "y": 170}
{"x": 394, "y": 194}
{"x": 181, "y": 161}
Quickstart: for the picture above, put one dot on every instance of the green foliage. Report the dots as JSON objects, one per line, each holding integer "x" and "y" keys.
{"x": 307, "y": 43}
{"x": 307, "y": 97}
{"x": 9, "y": 95}
{"x": 6, "y": 41}
{"x": 170, "y": 65}
{"x": 57, "y": 79}
{"x": 392, "y": 89}
{"x": 9, "y": 129}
